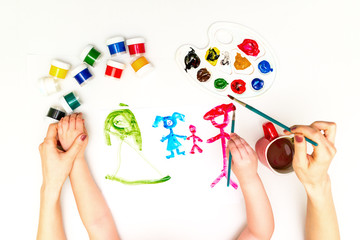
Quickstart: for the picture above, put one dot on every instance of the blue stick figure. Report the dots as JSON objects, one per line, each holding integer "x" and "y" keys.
{"x": 169, "y": 123}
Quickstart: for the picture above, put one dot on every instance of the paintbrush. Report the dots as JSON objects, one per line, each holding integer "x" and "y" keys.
{"x": 230, "y": 157}
{"x": 268, "y": 118}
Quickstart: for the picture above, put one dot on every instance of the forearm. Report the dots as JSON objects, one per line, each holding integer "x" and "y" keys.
{"x": 260, "y": 219}
{"x": 50, "y": 219}
{"x": 91, "y": 204}
{"x": 321, "y": 220}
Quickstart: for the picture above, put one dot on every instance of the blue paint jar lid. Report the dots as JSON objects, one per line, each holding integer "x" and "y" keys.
{"x": 115, "y": 40}
{"x": 78, "y": 69}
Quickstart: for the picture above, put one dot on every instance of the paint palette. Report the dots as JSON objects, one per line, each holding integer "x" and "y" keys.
{"x": 237, "y": 61}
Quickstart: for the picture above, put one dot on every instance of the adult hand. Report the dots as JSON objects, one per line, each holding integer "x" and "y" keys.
{"x": 312, "y": 169}
{"x": 57, "y": 164}
{"x": 244, "y": 159}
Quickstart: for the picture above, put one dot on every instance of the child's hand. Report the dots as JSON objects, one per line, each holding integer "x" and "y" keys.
{"x": 70, "y": 127}
{"x": 56, "y": 164}
{"x": 244, "y": 159}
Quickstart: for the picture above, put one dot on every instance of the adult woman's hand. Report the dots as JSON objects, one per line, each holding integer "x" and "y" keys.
{"x": 313, "y": 169}
{"x": 57, "y": 164}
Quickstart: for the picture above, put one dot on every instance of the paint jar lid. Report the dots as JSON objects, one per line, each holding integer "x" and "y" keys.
{"x": 85, "y": 52}
{"x": 48, "y": 85}
{"x": 115, "y": 40}
{"x": 133, "y": 41}
{"x": 78, "y": 69}
{"x": 115, "y": 64}
{"x": 60, "y": 64}
{"x": 55, "y": 113}
{"x": 145, "y": 70}
{"x": 70, "y": 102}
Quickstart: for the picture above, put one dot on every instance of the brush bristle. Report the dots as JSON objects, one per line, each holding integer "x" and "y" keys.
{"x": 231, "y": 97}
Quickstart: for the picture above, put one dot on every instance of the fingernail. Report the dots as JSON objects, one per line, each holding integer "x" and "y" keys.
{"x": 83, "y": 137}
{"x": 293, "y": 128}
{"x": 298, "y": 139}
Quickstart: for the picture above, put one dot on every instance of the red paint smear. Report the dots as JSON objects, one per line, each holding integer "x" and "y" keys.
{"x": 249, "y": 47}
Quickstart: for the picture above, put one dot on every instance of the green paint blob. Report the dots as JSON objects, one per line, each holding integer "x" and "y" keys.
{"x": 92, "y": 56}
{"x": 122, "y": 124}
{"x": 220, "y": 83}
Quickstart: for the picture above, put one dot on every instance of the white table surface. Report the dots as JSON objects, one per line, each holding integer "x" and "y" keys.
{"x": 317, "y": 46}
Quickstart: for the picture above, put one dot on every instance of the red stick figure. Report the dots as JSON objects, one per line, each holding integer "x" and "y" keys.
{"x": 220, "y": 110}
{"x": 192, "y": 129}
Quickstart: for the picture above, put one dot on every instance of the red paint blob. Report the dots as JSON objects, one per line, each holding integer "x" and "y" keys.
{"x": 249, "y": 47}
{"x": 238, "y": 86}
{"x": 280, "y": 153}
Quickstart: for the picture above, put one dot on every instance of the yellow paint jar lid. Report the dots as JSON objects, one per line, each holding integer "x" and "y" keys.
{"x": 139, "y": 63}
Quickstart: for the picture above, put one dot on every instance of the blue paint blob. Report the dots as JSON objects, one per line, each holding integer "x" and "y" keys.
{"x": 117, "y": 48}
{"x": 264, "y": 67}
{"x": 257, "y": 84}
{"x": 83, "y": 76}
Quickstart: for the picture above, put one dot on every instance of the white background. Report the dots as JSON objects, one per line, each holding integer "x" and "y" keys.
{"x": 316, "y": 43}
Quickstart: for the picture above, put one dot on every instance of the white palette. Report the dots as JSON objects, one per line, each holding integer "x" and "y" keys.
{"x": 226, "y": 37}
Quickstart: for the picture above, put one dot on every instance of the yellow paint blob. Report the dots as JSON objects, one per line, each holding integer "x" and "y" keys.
{"x": 58, "y": 72}
{"x": 139, "y": 63}
{"x": 212, "y": 55}
{"x": 241, "y": 63}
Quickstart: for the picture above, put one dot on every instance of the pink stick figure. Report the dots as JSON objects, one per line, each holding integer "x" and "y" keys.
{"x": 221, "y": 110}
{"x": 195, "y": 138}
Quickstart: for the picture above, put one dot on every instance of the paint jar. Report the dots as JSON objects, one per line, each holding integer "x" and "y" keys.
{"x": 136, "y": 46}
{"x": 116, "y": 46}
{"x": 59, "y": 69}
{"x": 48, "y": 85}
{"x": 55, "y": 114}
{"x": 70, "y": 102}
{"x": 114, "y": 69}
{"x": 81, "y": 74}
{"x": 141, "y": 66}
{"x": 90, "y": 55}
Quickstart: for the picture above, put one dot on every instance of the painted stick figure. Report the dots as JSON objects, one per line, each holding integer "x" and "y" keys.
{"x": 122, "y": 124}
{"x": 169, "y": 123}
{"x": 221, "y": 110}
{"x": 195, "y": 138}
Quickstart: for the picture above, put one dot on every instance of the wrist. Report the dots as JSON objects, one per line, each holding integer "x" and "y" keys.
{"x": 50, "y": 191}
{"x": 319, "y": 189}
{"x": 248, "y": 178}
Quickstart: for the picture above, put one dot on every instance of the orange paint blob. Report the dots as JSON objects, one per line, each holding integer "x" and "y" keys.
{"x": 241, "y": 63}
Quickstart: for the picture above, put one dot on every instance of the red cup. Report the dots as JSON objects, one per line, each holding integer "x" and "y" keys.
{"x": 274, "y": 151}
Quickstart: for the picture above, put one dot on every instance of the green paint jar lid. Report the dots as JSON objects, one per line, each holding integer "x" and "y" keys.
{"x": 91, "y": 55}
{"x": 70, "y": 102}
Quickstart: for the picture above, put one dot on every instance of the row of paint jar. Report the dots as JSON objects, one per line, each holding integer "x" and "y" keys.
{"x": 136, "y": 48}
{"x": 91, "y": 56}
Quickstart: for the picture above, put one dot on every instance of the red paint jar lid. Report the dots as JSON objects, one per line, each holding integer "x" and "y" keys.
{"x": 115, "y": 64}
{"x": 133, "y": 41}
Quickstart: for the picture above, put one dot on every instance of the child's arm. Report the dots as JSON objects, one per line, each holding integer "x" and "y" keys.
{"x": 260, "y": 219}
{"x": 92, "y": 207}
